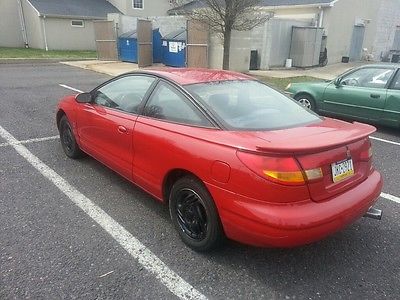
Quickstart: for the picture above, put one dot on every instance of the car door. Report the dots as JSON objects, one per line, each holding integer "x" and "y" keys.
{"x": 161, "y": 135}
{"x": 105, "y": 126}
{"x": 359, "y": 94}
{"x": 391, "y": 115}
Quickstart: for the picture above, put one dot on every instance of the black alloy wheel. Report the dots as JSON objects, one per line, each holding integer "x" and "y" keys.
{"x": 194, "y": 215}
{"x": 67, "y": 138}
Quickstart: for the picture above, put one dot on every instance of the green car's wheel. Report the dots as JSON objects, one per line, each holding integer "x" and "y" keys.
{"x": 306, "y": 100}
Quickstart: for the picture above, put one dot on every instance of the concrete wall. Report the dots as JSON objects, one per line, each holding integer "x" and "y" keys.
{"x": 215, "y": 52}
{"x": 300, "y": 13}
{"x": 272, "y": 41}
{"x": 34, "y": 29}
{"x": 62, "y": 36}
{"x": 388, "y": 20}
{"x": 10, "y": 28}
{"x": 339, "y": 22}
{"x": 239, "y": 51}
{"x": 166, "y": 24}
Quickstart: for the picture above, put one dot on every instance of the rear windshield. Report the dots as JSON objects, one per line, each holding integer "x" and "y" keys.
{"x": 251, "y": 105}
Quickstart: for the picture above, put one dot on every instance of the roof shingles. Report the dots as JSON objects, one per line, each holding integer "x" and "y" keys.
{"x": 95, "y": 9}
{"x": 199, "y": 3}
{"x": 294, "y": 2}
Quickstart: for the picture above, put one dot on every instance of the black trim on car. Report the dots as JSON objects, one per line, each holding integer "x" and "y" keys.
{"x": 151, "y": 89}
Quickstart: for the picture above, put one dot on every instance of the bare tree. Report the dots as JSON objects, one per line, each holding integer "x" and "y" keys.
{"x": 223, "y": 16}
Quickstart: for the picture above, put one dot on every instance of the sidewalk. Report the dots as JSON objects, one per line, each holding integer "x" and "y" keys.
{"x": 328, "y": 72}
{"x": 115, "y": 68}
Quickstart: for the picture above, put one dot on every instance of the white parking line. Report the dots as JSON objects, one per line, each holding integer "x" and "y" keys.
{"x": 132, "y": 245}
{"x": 385, "y": 141}
{"x": 390, "y": 197}
{"x": 43, "y": 139}
{"x": 70, "y": 88}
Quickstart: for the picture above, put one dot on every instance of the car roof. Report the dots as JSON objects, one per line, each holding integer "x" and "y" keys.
{"x": 382, "y": 65}
{"x": 186, "y": 76}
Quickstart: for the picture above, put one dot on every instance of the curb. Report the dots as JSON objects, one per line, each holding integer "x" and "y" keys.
{"x": 38, "y": 60}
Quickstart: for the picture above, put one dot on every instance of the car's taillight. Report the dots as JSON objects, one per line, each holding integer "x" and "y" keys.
{"x": 283, "y": 170}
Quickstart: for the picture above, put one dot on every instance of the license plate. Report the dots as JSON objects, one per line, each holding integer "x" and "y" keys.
{"x": 342, "y": 170}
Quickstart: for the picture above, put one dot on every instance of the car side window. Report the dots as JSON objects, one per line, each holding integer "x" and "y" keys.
{"x": 125, "y": 93}
{"x": 396, "y": 82}
{"x": 368, "y": 77}
{"x": 167, "y": 103}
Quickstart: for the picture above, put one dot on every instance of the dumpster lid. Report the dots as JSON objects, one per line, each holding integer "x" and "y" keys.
{"x": 177, "y": 35}
{"x": 133, "y": 34}
{"x": 129, "y": 35}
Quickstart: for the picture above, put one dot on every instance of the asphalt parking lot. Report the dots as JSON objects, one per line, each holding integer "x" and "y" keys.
{"x": 75, "y": 229}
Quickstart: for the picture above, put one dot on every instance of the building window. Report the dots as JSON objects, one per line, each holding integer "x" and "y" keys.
{"x": 77, "y": 23}
{"x": 137, "y": 4}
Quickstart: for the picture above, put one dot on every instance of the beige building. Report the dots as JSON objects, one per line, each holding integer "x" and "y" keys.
{"x": 143, "y": 8}
{"x": 66, "y": 24}
{"x": 10, "y": 32}
{"x": 350, "y": 25}
{"x": 52, "y": 25}
{"x": 348, "y": 28}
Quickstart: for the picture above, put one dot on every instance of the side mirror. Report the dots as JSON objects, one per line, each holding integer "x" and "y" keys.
{"x": 84, "y": 98}
{"x": 337, "y": 81}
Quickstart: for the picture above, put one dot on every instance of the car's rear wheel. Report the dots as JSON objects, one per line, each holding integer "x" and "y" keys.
{"x": 194, "y": 215}
{"x": 67, "y": 138}
{"x": 306, "y": 100}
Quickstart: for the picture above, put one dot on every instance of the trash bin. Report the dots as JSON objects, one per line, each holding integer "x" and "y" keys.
{"x": 254, "y": 60}
{"x": 288, "y": 63}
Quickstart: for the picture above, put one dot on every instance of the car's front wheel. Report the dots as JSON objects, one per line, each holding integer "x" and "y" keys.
{"x": 194, "y": 215}
{"x": 306, "y": 100}
{"x": 67, "y": 138}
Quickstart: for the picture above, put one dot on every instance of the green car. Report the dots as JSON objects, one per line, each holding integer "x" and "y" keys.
{"x": 370, "y": 93}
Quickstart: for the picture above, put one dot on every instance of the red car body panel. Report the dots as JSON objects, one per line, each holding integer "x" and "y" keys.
{"x": 265, "y": 224}
{"x": 253, "y": 210}
{"x": 107, "y": 135}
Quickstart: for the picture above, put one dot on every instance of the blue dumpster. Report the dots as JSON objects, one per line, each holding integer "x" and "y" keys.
{"x": 128, "y": 45}
{"x": 157, "y": 49}
{"x": 174, "y": 48}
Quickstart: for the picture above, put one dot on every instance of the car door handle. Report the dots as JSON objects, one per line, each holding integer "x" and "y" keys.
{"x": 122, "y": 129}
{"x": 376, "y": 96}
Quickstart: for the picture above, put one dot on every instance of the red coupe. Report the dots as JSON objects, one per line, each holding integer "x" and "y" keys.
{"x": 231, "y": 156}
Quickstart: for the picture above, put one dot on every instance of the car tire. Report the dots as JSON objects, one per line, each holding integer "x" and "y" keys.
{"x": 194, "y": 215}
{"x": 306, "y": 100}
{"x": 67, "y": 138}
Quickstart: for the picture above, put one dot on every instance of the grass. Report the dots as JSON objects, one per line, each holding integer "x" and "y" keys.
{"x": 281, "y": 83}
{"x": 42, "y": 54}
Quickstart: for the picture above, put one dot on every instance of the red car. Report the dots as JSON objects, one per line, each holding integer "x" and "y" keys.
{"x": 231, "y": 156}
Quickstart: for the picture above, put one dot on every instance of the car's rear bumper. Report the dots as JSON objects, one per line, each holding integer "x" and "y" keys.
{"x": 286, "y": 225}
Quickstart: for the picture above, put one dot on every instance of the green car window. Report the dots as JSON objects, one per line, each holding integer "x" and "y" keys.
{"x": 396, "y": 82}
{"x": 368, "y": 77}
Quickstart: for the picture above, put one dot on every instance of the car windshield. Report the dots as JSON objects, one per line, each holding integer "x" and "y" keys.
{"x": 251, "y": 105}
